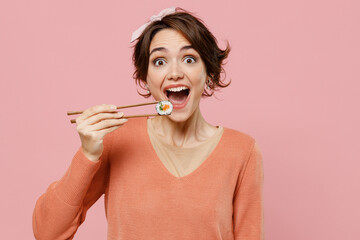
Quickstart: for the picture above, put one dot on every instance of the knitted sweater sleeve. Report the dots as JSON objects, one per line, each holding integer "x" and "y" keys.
{"x": 62, "y": 208}
{"x": 248, "y": 199}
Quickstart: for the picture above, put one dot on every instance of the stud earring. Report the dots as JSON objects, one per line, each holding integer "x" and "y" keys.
{"x": 147, "y": 88}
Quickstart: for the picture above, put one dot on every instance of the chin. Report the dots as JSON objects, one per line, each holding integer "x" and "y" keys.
{"x": 182, "y": 115}
{"x": 178, "y": 117}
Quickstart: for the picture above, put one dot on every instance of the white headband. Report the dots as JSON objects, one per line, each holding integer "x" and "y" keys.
{"x": 153, "y": 18}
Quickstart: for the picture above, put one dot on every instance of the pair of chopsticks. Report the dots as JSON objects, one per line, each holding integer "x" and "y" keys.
{"x": 121, "y": 107}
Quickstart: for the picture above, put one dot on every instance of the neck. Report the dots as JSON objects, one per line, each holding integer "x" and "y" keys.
{"x": 189, "y": 133}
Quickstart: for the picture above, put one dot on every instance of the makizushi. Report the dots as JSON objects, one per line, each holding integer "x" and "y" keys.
{"x": 164, "y": 108}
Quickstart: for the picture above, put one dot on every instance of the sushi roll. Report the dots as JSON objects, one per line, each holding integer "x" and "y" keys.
{"x": 164, "y": 108}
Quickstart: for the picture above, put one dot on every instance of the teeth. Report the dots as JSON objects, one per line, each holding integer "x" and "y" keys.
{"x": 177, "y": 89}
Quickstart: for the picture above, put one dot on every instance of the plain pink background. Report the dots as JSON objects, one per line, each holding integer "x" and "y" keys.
{"x": 295, "y": 86}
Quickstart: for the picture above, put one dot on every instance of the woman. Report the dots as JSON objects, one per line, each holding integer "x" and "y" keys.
{"x": 172, "y": 177}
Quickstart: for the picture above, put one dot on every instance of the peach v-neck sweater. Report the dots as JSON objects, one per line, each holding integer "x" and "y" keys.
{"x": 221, "y": 199}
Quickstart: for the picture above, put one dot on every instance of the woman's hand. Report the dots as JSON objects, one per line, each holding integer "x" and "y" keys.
{"x": 93, "y": 124}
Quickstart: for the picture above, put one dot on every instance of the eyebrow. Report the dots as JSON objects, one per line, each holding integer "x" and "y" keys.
{"x": 162, "y": 49}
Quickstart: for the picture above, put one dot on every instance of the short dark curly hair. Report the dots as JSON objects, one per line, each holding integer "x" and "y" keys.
{"x": 201, "y": 39}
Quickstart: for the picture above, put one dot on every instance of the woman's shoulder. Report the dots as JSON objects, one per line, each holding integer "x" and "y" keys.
{"x": 238, "y": 134}
{"x": 132, "y": 131}
{"x": 132, "y": 126}
{"x": 238, "y": 139}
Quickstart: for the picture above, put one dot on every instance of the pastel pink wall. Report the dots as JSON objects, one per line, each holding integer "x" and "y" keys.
{"x": 295, "y": 86}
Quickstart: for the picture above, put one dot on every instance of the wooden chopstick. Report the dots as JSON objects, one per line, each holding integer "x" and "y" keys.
{"x": 120, "y": 107}
{"x": 130, "y": 116}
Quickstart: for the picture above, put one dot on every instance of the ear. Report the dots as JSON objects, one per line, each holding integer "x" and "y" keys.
{"x": 143, "y": 85}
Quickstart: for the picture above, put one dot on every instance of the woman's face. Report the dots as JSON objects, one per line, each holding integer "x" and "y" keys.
{"x": 176, "y": 73}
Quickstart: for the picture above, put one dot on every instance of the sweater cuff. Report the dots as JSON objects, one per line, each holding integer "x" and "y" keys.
{"x": 74, "y": 185}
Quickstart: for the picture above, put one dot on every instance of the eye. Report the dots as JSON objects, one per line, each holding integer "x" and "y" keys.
{"x": 189, "y": 59}
{"x": 159, "y": 62}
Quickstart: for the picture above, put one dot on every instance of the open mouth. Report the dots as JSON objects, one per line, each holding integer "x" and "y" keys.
{"x": 178, "y": 95}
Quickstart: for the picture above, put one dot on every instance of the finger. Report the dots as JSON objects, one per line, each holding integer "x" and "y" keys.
{"x": 107, "y": 123}
{"x": 102, "y": 116}
{"x": 108, "y": 130}
{"x": 97, "y": 109}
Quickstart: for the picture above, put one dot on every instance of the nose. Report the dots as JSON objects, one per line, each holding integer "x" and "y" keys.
{"x": 175, "y": 72}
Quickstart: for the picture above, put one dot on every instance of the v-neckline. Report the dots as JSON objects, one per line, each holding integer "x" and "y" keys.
{"x": 200, "y": 168}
